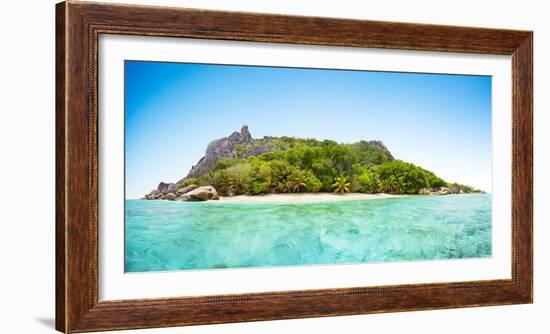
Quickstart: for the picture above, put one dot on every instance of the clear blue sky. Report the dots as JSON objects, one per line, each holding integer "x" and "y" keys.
{"x": 173, "y": 110}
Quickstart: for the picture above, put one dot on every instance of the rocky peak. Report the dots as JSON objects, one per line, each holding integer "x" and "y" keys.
{"x": 245, "y": 133}
{"x": 380, "y": 145}
{"x": 243, "y": 137}
{"x": 226, "y": 147}
{"x": 221, "y": 148}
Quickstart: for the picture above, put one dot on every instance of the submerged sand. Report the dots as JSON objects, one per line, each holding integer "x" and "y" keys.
{"x": 303, "y": 198}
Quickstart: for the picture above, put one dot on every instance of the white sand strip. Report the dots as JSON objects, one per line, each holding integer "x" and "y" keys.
{"x": 303, "y": 198}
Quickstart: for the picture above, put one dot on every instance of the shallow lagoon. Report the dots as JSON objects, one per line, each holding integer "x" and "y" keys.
{"x": 165, "y": 235}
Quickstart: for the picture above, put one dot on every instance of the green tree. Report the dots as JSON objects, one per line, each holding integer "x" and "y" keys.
{"x": 365, "y": 180}
{"x": 312, "y": 182}
{"x": 260, "y": 178}
{"x": 341, "y": 184}
{"x": 238, "y": 179}
{"x": 301, "y": 181}
{"x": 405, "y": 178}
{"x": 310, "y": 165}
{"x": 325, "y": 171}
{"x": 296, "y": 181}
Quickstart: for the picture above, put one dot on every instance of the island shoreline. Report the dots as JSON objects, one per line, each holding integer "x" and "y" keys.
{"x": 303, "y": 198}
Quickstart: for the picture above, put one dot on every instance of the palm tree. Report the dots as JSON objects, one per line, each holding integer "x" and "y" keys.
{"x": 296, "y": 182}
{"x": 281, "y": 186}
{"x": 341, "y": 184}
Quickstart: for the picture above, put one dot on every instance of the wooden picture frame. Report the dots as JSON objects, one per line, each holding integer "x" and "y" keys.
{"x": 78, "y": 26}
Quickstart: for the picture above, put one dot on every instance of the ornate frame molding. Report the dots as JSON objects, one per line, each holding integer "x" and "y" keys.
{"x": 78, "y": 27}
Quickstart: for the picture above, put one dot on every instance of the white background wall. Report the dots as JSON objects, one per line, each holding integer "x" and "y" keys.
{"x": 27, "y": 70}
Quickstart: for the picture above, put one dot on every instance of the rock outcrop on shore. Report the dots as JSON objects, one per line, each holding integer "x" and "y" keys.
{"x": 191, "y": 193}
{"x": 441, "y": 191}
{"x": 200, "y": 194}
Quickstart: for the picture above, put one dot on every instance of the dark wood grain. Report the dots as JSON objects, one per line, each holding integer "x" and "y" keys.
{"x": 78, "y": 27}
{"x": 60, "y": 181}
{"x": 522, "y": 166}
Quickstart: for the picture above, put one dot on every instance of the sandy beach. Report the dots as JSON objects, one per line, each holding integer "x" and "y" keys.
{"x": 303, "y": 198}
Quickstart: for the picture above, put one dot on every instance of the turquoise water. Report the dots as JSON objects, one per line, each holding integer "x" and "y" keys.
{"x": 164, "y": 235}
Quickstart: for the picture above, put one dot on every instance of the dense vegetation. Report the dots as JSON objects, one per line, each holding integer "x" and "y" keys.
{"x": 309, "y": 165}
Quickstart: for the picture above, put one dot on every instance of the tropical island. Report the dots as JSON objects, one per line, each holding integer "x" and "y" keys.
{"x": 241, "y": 165}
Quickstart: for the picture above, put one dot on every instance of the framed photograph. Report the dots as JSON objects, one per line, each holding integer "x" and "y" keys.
{"x": 223, "y": 167}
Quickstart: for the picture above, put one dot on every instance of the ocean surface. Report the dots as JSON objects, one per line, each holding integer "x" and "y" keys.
{"x": 166, "y": 235}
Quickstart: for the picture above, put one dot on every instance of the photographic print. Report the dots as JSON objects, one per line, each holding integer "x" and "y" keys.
{"x": 231, "y": 166}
